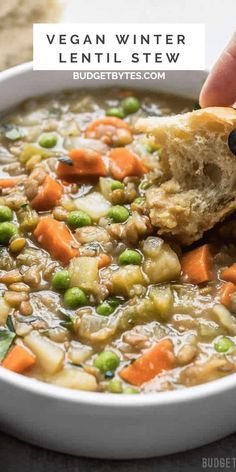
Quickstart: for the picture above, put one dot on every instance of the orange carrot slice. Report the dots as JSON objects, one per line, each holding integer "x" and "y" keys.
{"x": 103, "y": 260}
{"x": 9, "y": 182}
{"x": 85, "y": 163}
{"x": 124, "y": 163}
{"x": 111, "y": 121}
{"x": 229, "y": 274}
{"x": 19, "y": 359}
{"x": 56, "y": 238}
{"x": 153, "y": 362}
{"x": 48, "y": 195}
{"x": 226, "y": 292}
{"x": 197, "y": 264}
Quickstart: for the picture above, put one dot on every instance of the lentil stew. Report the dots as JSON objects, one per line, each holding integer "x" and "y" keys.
{"x": 91, "y": 298}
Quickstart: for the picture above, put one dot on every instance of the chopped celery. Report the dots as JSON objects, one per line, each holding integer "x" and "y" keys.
{"x": 30, "y": 151}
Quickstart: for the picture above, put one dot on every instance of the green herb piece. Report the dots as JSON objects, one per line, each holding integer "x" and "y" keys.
{"x": 10, "y": 324}
{"x": 144, "y": 185}
{"x": 6, "y": 340}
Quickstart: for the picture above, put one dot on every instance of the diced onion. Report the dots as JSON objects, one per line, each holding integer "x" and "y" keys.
{"x": 94, "y": 204}
{"x": 4, "y": 311}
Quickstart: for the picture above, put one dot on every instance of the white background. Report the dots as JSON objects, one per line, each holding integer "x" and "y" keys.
{"x": 218, "y": 15}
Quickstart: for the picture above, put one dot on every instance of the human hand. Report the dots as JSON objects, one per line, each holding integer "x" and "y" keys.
{"x": 220, "y": 86}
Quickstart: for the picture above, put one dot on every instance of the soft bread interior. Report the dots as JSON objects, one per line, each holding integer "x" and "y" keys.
{"x": 199, "y": 171}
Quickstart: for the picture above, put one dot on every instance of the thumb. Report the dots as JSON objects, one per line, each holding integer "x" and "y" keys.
{"x": 220, "y": 86}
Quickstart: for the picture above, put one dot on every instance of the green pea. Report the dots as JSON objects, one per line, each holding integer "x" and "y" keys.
{"x": 7, "y": 231}
{"x": 5, "y": 213}
{"x": 107, "y": 361}
{"x": 115, "y": 111}
{"x": 77, "y": 219}
{"x": 61, "y": 280}
{"x": 116, "y": 185}
{"x": 114, "y": 386}
{"x": 47, "y": 140}
{"x": 223, "y": 344}
{"x": 118, "y": 214}
{"x": 130, "y": 390}
{"x": 129, "y": 256}
{"x": 130, "y": 105}
{"x": 74, "y": 298}
{"x": 107, "y": 307}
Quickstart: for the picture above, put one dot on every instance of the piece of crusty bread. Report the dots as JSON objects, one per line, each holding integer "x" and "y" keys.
{"x": 199, "y": 172}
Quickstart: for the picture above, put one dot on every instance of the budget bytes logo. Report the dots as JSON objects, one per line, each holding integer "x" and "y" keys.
{"x": 219, "y": 463}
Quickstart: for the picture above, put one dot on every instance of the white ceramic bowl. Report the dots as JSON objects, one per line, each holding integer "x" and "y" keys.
{"x": 101, "y": 424}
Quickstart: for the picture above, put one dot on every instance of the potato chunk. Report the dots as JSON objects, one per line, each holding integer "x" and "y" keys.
{"x": 4, "y": 311}
{"x": 84, "y": 273}
{"x": 124, "y": 279}
{"x": 75, "y": 378}
{"x": 161, "y": 263}
{"x": 49, "y": 355}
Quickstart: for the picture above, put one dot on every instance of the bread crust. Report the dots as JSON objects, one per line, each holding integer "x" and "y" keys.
{"x": 198, "y": 186}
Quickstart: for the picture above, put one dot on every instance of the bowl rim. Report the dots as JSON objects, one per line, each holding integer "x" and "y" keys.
{"x": 102, "y": 399}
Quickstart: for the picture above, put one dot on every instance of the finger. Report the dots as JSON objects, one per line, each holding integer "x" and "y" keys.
{"x": 220, "y": 86}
